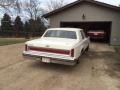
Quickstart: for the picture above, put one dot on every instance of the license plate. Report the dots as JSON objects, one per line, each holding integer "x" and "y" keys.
{"x": 46, "y": 60}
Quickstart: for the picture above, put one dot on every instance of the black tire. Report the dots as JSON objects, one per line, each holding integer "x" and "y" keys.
{"x": 78, "y": 61}
{"x": 82, "y": 52}
{"x": 87, "y": 49}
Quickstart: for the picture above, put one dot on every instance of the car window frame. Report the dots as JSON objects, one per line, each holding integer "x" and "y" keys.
{"x": 61, "y": 37}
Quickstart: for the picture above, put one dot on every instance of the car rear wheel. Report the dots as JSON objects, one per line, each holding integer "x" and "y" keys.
{"x": 87, "y": 49}
{"x": 82, "y": 52}
{"x": 78, "y": 61}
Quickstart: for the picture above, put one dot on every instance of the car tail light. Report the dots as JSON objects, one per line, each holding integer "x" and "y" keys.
{"x": 26, "y": 47}
{"x": 49, "y": 50}
{"x": 72, "y": 53}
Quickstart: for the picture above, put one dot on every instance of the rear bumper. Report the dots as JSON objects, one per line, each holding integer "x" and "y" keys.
{"x": 52, "y": 59}
{"x": 97, "y": 37}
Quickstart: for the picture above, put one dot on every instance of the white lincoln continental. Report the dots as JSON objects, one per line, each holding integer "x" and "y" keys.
{"x": 58, "y": 45}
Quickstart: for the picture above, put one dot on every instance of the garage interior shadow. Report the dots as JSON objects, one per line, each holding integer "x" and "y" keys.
{"x": 87, "y": 26}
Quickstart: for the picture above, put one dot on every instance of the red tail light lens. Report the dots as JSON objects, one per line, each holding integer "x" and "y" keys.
{"x": 49, "y": 50}
{"x": 72, "y": 53}
{"x": 26, "y": 48}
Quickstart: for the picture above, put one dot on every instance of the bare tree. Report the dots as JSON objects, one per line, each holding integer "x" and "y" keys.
{"x": 32, "y": 8}
{"x": 55, "y": 4}
{"x": 6, "y": 3}
{"x": 17, "y": 6}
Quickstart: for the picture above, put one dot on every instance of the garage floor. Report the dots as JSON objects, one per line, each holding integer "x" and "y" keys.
{"x": 99, "y": 69}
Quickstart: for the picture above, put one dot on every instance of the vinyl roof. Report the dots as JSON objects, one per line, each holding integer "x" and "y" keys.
{"x": 78, "y": 2}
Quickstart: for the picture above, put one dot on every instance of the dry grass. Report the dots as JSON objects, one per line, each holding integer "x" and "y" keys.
{"x": 9, "y": 41}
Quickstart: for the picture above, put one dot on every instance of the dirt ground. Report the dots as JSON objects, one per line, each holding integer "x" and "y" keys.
{"x": 99, "y": 69}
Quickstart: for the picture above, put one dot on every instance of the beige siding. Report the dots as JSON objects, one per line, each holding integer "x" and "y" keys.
{"x": 92, "y": 13}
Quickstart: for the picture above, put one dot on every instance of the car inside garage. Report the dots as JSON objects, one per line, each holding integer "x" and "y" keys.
{"x": 97, "y": 31}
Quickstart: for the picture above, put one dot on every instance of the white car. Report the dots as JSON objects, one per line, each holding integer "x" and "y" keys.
{"x": 58, "y": 45}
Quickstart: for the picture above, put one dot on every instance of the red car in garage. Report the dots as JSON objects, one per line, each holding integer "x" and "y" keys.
{"x": 96, "y": 34}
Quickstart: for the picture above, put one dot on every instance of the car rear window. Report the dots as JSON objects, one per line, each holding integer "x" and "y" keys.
{"x": 61, "y": 34}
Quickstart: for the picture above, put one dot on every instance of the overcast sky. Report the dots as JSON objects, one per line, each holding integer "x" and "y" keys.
{"x": 113, "y": 2}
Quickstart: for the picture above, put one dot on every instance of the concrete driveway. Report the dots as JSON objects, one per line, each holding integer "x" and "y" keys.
{"x": 99, "y": 69}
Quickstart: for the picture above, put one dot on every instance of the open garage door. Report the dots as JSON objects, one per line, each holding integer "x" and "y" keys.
{"x": 92, "y": 26}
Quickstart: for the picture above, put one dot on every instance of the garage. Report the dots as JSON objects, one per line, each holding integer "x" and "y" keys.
{"x": 89, "y": 26}
{"x": 92, "y": 16}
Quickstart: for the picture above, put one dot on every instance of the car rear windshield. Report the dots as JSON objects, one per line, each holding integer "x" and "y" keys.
{"x": 61, "y": 34}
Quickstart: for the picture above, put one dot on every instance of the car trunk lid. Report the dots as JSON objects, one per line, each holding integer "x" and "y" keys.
{"x": 55, "y": 43}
